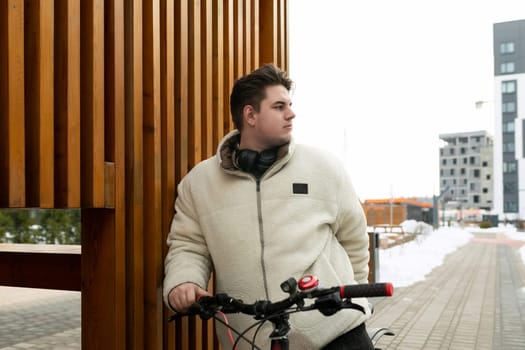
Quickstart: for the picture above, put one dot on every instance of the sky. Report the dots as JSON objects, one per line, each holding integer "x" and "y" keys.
{"x": 377, "y": 82}
{"x": 428, "y": 251}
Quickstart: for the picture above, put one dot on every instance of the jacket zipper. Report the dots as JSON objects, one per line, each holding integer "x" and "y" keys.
{"x": 261, "y": 237}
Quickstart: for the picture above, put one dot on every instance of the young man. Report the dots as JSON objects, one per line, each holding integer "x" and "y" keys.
{"x": 262, "y": 210}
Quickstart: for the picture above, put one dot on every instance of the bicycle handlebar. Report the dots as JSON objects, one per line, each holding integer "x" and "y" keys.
{"x": 367, "y": 290}
{"x": 327, "y": 300}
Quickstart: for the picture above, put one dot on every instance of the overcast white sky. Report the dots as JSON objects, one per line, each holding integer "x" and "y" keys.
{"x": 377, "y": 81}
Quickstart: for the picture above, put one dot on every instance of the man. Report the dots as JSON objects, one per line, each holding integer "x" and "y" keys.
{"x": 263, "y": 210}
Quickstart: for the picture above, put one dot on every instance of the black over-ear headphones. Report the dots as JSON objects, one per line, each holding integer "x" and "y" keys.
{"x": 255, "y": 162}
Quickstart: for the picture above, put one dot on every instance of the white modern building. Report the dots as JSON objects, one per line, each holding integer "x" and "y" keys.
{"x": 509, "y": 131}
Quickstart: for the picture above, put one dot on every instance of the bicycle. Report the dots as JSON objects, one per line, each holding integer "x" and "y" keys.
{"x": 326, "y": 300}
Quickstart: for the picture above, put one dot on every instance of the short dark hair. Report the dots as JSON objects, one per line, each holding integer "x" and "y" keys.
{"x": 251, "y": 90}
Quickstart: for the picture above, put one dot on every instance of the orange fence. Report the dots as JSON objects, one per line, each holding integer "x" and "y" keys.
{"x": 105, "y": 106}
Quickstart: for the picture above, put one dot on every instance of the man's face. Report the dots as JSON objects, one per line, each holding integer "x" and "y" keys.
{"x": 273, "y": 122}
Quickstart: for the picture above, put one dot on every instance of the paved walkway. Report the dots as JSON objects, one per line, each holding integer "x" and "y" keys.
{"x": 39, "y": 319}
{"x": 475, "y": 300}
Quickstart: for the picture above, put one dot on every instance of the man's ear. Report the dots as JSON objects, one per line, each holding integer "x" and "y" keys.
{"x": 248, "y": 113}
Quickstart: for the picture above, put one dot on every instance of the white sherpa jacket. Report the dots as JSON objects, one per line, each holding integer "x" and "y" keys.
{"x": 303, "y": 217}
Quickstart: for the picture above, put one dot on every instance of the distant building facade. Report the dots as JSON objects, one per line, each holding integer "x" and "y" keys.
{"x": 509, "y": 131}
{"x": 466, "y": 169}
{"x": 393, "y": 211}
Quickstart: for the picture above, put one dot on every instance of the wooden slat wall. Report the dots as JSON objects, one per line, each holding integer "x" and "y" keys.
{"x": 105, "y": 106}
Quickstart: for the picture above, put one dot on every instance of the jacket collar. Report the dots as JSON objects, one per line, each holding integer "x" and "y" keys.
{"x": 228, "y": 145}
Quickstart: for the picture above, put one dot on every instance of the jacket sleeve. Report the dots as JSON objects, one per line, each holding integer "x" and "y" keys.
{"x": 351, "y": 228}
{"x": 188, "y": 259}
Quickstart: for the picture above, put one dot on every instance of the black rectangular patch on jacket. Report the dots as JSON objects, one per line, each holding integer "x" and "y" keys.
{"x": 300, "y": 188}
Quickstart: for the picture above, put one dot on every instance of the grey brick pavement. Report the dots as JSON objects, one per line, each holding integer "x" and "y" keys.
{"x": 474, "y": 300}
{"x": 39, "y": 319}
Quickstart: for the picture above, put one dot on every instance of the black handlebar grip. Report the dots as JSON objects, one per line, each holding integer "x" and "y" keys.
{"x": 367, "y": 290}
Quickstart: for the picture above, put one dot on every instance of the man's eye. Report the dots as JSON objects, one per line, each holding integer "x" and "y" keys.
{"x": 280, "y": 107}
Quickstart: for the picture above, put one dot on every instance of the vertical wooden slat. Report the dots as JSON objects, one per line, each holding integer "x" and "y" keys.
{"x": 92, "y": 103}
{"x": 207, "y": 328}
{"x": 247, "y": 37}
{"x": 39, "y": 122}
{"x": 194, "y": 121}
{"x": 12, "y": 163}
{"x": 196, "y": 152}
{"x": 115, "y": 152}
{"x": 218, "y": 72}
{"x": 168, "y": 137}
{"x": 229, "y": 60}
{"x": 4, "y": 135}
{"x": 256, "y": 22}
{"x": 134, "y": 174}
{"x": 181, "y": 89}
{"x": 67, "y": 104}
{"x": 208, "y": 147}
{"x": 282, "y": 38}
{"x": 268, "y": 31}
{"x": 238, "y": 38}
{"x": 182, "y": 124}
{"x": 153, "y": 308}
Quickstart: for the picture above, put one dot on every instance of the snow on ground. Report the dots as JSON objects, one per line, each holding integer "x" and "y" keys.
{"x": 408, "y": 263}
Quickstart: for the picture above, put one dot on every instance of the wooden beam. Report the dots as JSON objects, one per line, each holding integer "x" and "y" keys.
{"x": 40, "y": 266}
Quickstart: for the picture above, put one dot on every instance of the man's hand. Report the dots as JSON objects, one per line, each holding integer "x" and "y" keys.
{"x": 185, "y": 294}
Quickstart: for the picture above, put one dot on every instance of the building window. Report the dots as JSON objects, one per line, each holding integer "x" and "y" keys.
{"x": 476, "y": 172}
{"x": 508, "y": 107}
{"x": 472, "y": 160}
{"x": 472, "y": 186}
{"x": 454, "y": 161}
{"x": 444, "y": 162}
{"x": 465, "y": 181}
{"x": 451, "y": 151}
{"x": 508, "y": 126}
{"x": 485, "y": 190}
{"x": 507, "y": 67}
{"x": 465, "y": 160}
{"x": 506, "y": 47}
{"x": 451, "y": 171}
{"x": 485, "y": 164}
{"x": 508, "y": 147}
{"x": 475, "y": 199}
{"x": 508, "y": 87}
{"x": 509, "y": 187}
{"x": 509, "y": 167}
{"x": 510, "y": 207}
{"x": 462, "y": 171}
{"x": 487, "y": 177}
{"x": 462, "y": 150}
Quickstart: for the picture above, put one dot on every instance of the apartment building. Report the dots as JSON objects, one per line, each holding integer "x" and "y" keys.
{"x": 465, "y": 170}
{"x": 509, "y": 131}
